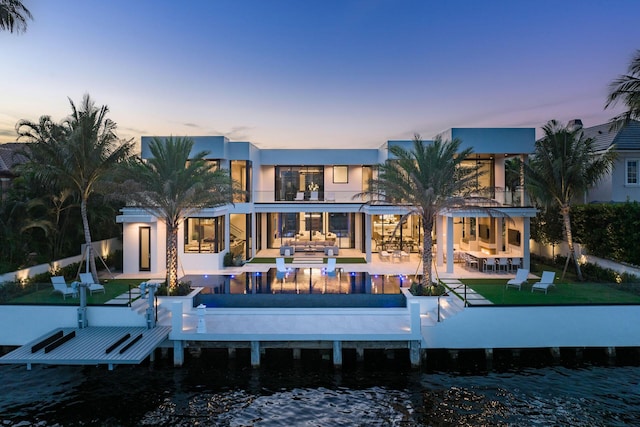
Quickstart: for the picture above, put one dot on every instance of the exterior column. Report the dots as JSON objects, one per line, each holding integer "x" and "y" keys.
{"x": 449, "y": 244}
{"x": 523, "y": 159}
{"x": 499, "y": 177}
{"x": 499, "y": 239}
{"x": 440, "y": 242}
{"x": 526, "y": 236}
{"x": 367, "y": 237}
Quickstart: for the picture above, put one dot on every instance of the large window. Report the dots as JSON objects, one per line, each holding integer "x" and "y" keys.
{"x": 299, "y": 183}
{"x": 632, "y": 172}
{"x": 241, "y": 174}
{"x": 484, "y": 178}
{"x": 204, "y": 235}
{"x": 311, "y": 226}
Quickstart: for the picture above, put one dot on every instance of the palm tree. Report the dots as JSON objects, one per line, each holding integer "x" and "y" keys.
{"x": 172, "y": 184}
{"x": 562, "y": 167}
{"x": 78, "y": 154}
{"x": 14, "y": 15}
{"x": 425, "y": 180}
{"x": 626, "y": 88}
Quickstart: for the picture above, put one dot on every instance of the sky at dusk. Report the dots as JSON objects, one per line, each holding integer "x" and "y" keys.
{"x": 317, "y": 74}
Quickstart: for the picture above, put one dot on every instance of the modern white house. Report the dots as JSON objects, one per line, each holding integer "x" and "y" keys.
{"x": 623, "y": 183}
{"x": 302, "y": 200}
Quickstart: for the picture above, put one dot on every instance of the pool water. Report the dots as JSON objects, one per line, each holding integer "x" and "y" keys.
{"x": 299, "y": 281}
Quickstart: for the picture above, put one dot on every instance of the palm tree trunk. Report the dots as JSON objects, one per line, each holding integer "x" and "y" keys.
{"x": 87, "y": 239}
{"x": 566, "y": 219}
{"x": 172, "y": 256}
{"x": 427, "y": 255}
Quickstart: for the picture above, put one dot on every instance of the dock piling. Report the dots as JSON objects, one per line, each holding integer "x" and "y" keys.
{"x": 255, "y": 354}
{"x": 337, "y": 354}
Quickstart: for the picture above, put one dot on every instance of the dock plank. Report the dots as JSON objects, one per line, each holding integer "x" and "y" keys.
{"x": 88, "y": 347}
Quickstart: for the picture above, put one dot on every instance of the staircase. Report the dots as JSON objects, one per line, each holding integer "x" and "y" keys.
{"x": 454, "y": 303}
{"x": 449, "y": 307}
{"x": 140, "y": 306}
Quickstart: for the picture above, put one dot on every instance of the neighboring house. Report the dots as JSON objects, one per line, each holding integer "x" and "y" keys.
{"x": 303, "y": 200}
{"x": 623, "y": 183}
{"x": 9, "y": 157}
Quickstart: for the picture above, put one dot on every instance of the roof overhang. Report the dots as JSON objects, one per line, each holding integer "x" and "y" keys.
{"x": 127, "y": 219}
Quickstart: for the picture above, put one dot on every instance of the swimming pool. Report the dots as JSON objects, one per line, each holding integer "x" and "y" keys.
{"x": 299, "y": 287}
{"x": 299, "y": 281}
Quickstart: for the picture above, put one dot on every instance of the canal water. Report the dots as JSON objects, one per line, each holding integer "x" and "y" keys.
{"x": 213, "y": 390}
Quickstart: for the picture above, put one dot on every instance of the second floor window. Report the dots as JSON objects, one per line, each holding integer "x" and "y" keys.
{"x": 241, "y": 173}
{"x": 632, "y": 172}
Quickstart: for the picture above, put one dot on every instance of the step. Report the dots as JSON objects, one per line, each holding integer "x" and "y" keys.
{"x": 308, "y": 260}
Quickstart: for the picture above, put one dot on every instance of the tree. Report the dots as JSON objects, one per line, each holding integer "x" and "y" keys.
{"x": 13, "y": 16}
{"x": 77, "y": 154}
{"x": 425, "y": 180}
{"x": 626, "y": 88}
{"x": 563, "y": 166}
{"x": 173, "y": 184}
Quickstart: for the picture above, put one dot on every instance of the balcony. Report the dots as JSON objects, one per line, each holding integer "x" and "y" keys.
{"x": 505, "y": 197}
{"x": 270, "y": 196}
{"x": 516, "y": 198}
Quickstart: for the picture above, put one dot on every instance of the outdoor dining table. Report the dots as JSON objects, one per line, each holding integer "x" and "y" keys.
{"x": 480, "y": 257}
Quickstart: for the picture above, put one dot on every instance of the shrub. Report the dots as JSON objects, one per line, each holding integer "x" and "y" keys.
{"x": 183, "y": 288}
{"x": 227, "y": 261}
{"x": 10, "y": 290}
{"x": 70, "y": 272}
{"x": 434, "y": 290}
{"x": 114, "y": 260}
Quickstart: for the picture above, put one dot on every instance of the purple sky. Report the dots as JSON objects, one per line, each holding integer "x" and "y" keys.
{"x": 344, "y": 74}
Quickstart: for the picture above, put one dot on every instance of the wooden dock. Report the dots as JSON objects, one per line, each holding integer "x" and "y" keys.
{"x": 90, "y": 346}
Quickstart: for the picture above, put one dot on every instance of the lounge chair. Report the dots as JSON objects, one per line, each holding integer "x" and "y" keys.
{"x": 545, "y": 282}
{"x": 299, "y": 196}
{"x": 280, "y": 265}
{"x": 331, "y": 267}
{"x": 87, "y": 279}
{"x": 60, "y": 285}
{"x": 519, "y": 280}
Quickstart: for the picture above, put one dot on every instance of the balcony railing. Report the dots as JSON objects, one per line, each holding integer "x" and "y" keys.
{"x": 498, "y": 195}
{"x": 505, "y": 197}
{"x": 271, "y": 196}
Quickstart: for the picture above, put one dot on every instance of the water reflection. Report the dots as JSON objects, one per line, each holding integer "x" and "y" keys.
{"x": 299, "y": 281}
{"x": 381, "y": 391}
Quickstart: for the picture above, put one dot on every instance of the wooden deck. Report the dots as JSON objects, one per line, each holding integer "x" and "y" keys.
{"x": 90, "y": 346}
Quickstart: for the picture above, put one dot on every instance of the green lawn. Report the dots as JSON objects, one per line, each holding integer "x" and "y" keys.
{"x": 45, "y": 295}
{"x": 562, "y": 293}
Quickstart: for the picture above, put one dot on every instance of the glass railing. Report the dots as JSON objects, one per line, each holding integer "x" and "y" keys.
{"x": 494, "y": 195}
{"x": 504, "y": 197}
{"x": 307, "y": 197}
